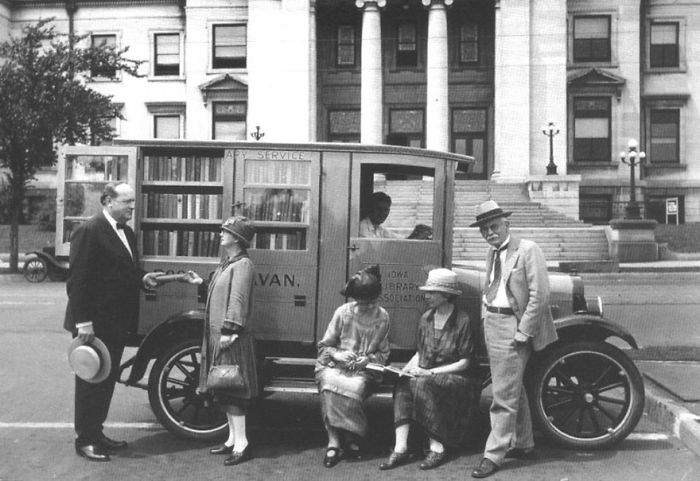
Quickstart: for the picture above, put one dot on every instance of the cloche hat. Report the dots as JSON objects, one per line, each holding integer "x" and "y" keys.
{"x": 364, "y": 284}
{"x": 442, "y": 280}
{"x": 241, "y": 228}
{"x": 487, "y": 211}
{"x": 90, "y": 361}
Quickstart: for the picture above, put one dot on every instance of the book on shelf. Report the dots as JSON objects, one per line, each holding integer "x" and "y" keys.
{"x": 387, "y": 369}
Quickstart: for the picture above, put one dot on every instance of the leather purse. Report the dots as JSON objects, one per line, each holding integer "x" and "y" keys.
{"x": 225, "y": 376}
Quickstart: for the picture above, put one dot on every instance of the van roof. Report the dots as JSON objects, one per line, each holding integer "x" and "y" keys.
{"x": 314, "y": 146}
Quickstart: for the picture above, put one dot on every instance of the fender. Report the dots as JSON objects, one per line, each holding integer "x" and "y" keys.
{"x": 184, "y": 325}
{"x": 50, "y": 260}
{"x": 589, "y": 326}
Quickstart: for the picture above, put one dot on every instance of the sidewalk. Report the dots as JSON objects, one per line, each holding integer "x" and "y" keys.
{"x": 672, "y": 398}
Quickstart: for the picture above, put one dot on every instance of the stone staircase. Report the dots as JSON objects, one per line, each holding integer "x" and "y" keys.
{"x": 561, "y": 238}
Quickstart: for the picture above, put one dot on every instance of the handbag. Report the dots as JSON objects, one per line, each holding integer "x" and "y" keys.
{"x": 225, "y": 376}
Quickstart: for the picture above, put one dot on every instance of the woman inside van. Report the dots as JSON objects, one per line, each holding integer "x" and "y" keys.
{"x": 357, "y": 334}
{"x": 441, "y": 392}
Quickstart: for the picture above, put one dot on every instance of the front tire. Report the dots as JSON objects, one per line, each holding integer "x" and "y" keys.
{"x": 585, "y": 394}
{"x": 35, "y": 269}
{"x": 175, "y": 400}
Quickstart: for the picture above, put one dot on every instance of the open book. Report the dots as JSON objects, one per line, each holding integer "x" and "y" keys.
{"x": 391, "y": 370}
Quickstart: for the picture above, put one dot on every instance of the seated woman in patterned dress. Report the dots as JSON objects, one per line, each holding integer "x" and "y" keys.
{"x": 357, "y": 334}
{"x": 443, "y": 393}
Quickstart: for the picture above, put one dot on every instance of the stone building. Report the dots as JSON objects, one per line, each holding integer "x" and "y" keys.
{"x": 481, "y": 77}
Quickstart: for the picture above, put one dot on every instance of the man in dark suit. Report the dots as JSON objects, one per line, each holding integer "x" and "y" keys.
{"x": 103, "y": 293}
{"x": 517, "y": 320}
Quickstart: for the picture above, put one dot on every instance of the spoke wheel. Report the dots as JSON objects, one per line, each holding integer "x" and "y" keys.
{"x": 586, "y": 394}
{"x": 35, "y": 269}
{"x": 173, "y": 395}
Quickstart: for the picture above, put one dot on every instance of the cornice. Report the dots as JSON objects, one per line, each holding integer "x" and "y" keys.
{"x": 85, "y": 3}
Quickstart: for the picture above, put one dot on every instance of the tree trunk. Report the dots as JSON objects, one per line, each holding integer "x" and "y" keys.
{"x": 16, "y": 196}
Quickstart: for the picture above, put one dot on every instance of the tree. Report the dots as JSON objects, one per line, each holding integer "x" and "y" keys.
{"x": 45, "y": 101}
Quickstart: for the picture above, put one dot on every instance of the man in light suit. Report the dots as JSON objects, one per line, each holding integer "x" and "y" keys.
{"x": 103, "y": 292}
{"x": 517, "y": 320}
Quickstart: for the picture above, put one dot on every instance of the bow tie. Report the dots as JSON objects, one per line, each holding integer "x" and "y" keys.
{"x": 120, "y": 225}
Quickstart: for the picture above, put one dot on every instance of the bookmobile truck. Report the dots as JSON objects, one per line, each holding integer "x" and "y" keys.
{"x": 306, "y": 201}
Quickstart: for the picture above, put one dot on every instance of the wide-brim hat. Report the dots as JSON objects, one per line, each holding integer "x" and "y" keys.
{"x": 90, "y": 361}
{"x": 364, "y": 284}
{"x": 442, "y": 280}
{"x": 487, "y": 211}
{"x": 241, "y": 228}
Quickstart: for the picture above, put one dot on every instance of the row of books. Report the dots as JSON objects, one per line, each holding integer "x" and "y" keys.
{"x": 89, "y": 168}
{"x": 286, "y": 241}
{"x": 182, "y": 206}
{"x": 277, "y": 172}
{"x": 180, "y": 243}
{"x": 182, "y": 169}
{"x": 280, "y": 206}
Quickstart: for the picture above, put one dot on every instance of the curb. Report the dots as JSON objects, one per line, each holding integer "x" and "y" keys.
{"x": 661, "y": 408}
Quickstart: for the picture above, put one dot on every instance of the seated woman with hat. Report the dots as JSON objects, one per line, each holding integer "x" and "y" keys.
{"x": 357, "y": 334}
{"x": 442, "y": 393}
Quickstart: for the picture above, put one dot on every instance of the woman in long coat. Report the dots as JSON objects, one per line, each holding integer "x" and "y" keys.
{"x": 442, "y": 393}
{"x": 227, "y": 334}
{"x": 357, "y": 334}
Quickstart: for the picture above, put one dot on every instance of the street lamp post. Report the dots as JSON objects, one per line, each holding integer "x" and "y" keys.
{"x": 632, "y": 157}
{"x": 550, "y": 131}
{"x": 257, "y": 135}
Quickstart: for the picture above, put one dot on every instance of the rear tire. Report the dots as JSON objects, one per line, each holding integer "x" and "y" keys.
{"x": 175, "y": 400}
{"x": 585, "y": 394}
{"x": 35, "y": 269}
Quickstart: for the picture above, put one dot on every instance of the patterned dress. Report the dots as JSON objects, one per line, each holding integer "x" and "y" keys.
{"x": 229, "y": 304}
{"x": 442, "y": 404}
{"x": 342, "y": 390}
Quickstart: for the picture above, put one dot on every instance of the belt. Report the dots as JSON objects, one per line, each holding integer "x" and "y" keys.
{"x": 500, "y": 310}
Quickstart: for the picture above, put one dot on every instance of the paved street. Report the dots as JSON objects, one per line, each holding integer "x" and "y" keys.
{"x": 36, "y": 422}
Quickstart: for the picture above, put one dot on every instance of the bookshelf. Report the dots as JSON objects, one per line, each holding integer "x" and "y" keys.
{"x": 180, "y": 202}
{"x": 277, "y": 197}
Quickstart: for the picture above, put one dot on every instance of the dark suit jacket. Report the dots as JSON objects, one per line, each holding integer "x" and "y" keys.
{"x": 527, "y": 288}
{"x": 104, "y": 281}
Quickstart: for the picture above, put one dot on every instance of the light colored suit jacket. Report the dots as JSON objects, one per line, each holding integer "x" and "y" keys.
{"x": 527, "y": 288}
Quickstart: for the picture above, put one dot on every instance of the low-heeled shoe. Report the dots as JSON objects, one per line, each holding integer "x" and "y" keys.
{"x": 395, "y": 460}
{"x": 486, "y": 468}
{"x": 223, "y": 449}
{"x": 238, "y": 457}
{"x": 433, "y": 460}
{"x": 330, "y": 461}
{"x": 112, "y": 444}
{"x": 91, "y": 452}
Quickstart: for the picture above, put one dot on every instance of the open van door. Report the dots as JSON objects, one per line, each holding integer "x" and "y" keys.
{"x": 418, "y": 189}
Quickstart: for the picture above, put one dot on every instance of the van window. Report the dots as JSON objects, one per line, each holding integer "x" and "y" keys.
{"x": 396, "y": 202}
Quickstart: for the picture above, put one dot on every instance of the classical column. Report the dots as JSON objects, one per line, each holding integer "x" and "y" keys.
{"x": 512, "y": 91}
{"x": 371, "y": 73}
{"x": 437, "y": 106}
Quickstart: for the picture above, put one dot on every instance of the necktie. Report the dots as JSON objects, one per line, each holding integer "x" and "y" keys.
{"x": 492, "y": 288}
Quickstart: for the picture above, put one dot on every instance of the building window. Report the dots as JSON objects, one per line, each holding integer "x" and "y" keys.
{"x": 345, "y": 46}
{"x": 166, "y": 126}
{"x": 592, "y": 129}
{"x": 592, "y": 39}
{"x": 664, "y": 135}
{"x": 229, "y": 46}
{"x": 406, "y": 127}
{"x": 469, "y": 136}
{"x": 229, "y": 120}
{"x": 663, "y": 51}
{"x": 406, "y": 46}
{"x": 166, "y": 54}
{"x": 103, "y": 40}
{"x": 344, "y": 126}
{"x": 469, "y": 43}
{"x": 595, "y": 208}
